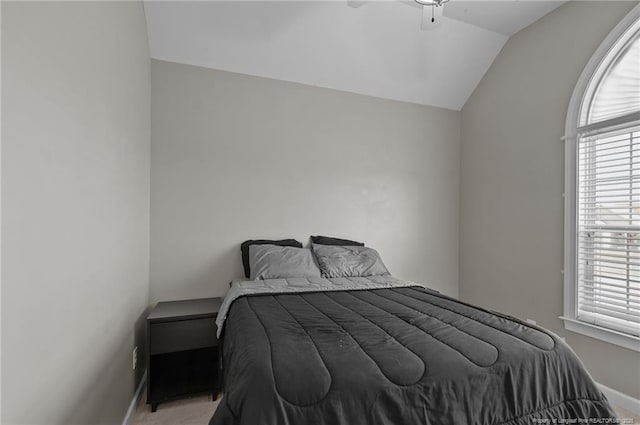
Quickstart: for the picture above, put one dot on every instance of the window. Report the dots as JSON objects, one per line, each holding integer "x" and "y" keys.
{"x": 602, "y": 192}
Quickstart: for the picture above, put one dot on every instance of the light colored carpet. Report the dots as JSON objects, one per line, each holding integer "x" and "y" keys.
{"x": 626, "y": 417}
{"x": 198, "y": 411}
{"x": 190, "y": 411}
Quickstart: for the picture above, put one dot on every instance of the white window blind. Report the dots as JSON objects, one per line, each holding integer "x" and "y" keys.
{"x": 608, "y": 246}
{"x": 619, "y": 91}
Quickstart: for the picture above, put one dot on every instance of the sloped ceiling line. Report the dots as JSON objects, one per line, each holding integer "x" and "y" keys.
{"x": 376, "y": 50}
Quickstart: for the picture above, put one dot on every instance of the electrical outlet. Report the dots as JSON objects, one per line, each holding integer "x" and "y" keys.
{"x": 135, "y": 357}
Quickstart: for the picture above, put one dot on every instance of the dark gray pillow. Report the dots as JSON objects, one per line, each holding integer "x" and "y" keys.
{"x": 348, "y": 261}
{"x": 327, "y": 240}
{"x": 279, "y": 262}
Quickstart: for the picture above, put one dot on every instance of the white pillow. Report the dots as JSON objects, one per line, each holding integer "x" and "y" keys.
{"x": 280, "y": 262}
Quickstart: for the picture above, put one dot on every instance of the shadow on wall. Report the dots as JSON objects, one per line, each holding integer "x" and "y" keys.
{"x": 98, "y": 404}
{"x": 209, "y": 278}
{"x": 226, "y": 266}
{"x": 140, "y": 341}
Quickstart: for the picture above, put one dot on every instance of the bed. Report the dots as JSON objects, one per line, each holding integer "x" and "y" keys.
{"x": 381, "y": 350}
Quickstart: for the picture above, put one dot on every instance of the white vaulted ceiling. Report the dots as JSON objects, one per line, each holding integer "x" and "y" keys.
{"x": 377, "y": 49}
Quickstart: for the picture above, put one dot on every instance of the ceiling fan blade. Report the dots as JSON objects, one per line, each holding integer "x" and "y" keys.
{"x": 411, "y": 3}
{"x": 432, "y": 17}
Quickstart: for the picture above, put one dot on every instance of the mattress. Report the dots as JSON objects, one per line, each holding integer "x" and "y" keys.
{"x": 385, "y": 351}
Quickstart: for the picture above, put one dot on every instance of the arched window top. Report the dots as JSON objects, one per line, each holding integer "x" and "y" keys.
{"x": 614, "y": 89}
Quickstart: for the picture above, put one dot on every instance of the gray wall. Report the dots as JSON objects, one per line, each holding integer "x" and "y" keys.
{"x": 511, "y": 222}
{"x": 75, "y": 208}
{"x": 235, "y": 157}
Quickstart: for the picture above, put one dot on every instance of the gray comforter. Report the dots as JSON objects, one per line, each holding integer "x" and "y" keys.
{"x": 378, "y": 350}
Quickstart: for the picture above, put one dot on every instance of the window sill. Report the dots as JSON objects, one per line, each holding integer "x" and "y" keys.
{"x": 603, "y": 334}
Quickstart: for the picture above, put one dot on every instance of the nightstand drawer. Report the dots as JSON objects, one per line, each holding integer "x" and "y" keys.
{"x": 168, "y": 337}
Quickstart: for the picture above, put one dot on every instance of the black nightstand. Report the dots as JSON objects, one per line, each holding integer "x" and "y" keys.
{"x": 182, "y": 350}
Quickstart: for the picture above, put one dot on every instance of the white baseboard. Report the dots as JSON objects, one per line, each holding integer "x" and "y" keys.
{"x": 621, "y": 399}
{"x": 128, "y": 418}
